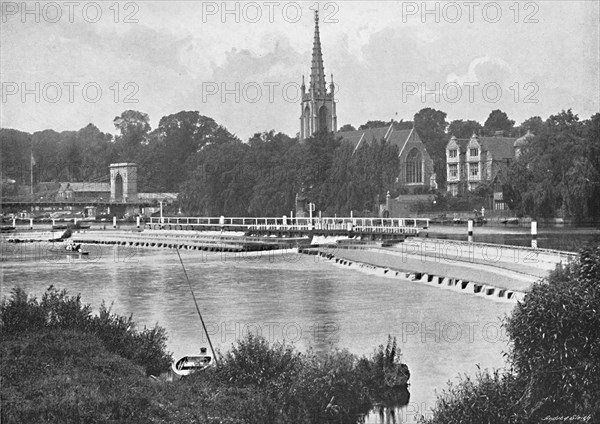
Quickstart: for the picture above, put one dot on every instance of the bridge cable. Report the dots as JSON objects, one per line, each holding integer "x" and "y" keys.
{"x": 197, "y": 308}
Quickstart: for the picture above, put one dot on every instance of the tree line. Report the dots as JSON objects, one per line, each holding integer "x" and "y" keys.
{"x": 216, "y": 173}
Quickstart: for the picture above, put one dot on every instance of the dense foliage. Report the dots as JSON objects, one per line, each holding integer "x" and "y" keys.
{"x": 558, "y": 171}
{"x": 57, "y": 311}
{"x": 62, "y": 365}
{"x": 215, "y": 173}
{"x": 554, "y": 357}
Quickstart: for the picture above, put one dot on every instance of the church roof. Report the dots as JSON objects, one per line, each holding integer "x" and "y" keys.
{"x": 395, "y": 137}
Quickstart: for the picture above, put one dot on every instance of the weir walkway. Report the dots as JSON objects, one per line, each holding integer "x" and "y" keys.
{"x": 360, "y": 228}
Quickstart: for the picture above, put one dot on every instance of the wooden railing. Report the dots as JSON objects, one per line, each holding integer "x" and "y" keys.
{"x": 379, "y": 225}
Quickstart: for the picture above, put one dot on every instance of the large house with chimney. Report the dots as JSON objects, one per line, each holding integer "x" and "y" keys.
{"x": 472, "y": 162}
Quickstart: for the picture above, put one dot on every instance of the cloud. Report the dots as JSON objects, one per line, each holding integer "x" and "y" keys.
{"x": 483, "y": 70}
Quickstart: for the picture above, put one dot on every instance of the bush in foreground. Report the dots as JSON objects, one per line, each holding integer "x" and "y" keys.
{"x": 63, "y": 365}
{"x": 554, "y": 357}
{"x": 56, "y": 310}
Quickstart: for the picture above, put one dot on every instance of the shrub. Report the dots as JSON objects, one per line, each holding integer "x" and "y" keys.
{"x": 489, "y": 398}
{"x": 555, "y": 356}
{"x": 555, "y": 334}
{"x": 66, "y": 376}
{"x": 56, "y": 310}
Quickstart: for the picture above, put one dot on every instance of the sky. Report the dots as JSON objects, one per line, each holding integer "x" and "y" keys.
{"x": 64, "y": 65}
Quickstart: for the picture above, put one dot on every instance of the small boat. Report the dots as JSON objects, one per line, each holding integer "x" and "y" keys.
{"x": 192, "y": 363}
{"x": 510, "y": 221}
{"x": 69, "y": 249}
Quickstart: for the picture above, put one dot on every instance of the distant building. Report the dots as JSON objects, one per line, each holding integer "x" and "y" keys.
{"x": 83, "y": 191}
{"x": 416, "y": 166}
{"x": 472, "y": 162}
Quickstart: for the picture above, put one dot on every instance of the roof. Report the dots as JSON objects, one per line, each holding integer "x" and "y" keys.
{"x": 522, "y": 141}
{"x": 500, "y": 148}
{"x": 157, "y": 196}
{"x": 387, "y": 133}
{"x": 85, "y": 187}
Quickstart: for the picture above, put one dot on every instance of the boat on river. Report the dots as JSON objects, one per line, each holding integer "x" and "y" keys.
{"x": 69, "y": 249}
{"x": 192, "y": 363}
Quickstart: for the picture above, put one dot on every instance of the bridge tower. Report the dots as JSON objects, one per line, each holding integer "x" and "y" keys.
{"x": 123, "y": 182}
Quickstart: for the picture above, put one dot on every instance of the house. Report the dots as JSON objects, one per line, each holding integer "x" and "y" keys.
{"x": 416, "y": 166}
{"x": 478, "y": 160}
{"x": 83, "y": 191}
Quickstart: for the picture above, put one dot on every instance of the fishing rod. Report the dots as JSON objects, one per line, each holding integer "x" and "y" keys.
{"x": 197, "y": 308}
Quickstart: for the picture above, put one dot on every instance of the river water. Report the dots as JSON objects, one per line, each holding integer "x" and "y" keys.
{"x": 292, "y": 297}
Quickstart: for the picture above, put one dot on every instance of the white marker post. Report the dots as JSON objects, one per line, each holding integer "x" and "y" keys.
{"x": 114, "y": 222}
{"x": 14, "y": 223}
{"x": 534, "y": 234}
{"x": 137, "y": 221}
{"x": 470, "y": 230}
{"x": 31, "y": 223}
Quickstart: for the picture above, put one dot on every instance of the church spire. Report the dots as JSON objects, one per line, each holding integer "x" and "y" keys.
{"x": 317, "y": 72}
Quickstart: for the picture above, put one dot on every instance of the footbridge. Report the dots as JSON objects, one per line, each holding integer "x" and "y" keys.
{"x": 360, "y": 228}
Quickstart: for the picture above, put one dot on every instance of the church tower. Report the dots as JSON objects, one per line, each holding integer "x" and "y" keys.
{"x": 317, "y": 111}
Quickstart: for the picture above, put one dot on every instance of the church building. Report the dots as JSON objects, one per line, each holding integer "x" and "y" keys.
{"x": 318, "y": 112}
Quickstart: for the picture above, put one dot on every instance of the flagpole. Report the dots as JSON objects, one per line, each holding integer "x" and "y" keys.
{"x": 31, "y": 165}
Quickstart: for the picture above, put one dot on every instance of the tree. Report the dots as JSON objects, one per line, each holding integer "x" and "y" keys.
{"x": 134, "y": 127}
{"x": 347, "y": 127}
{"x": 464, "y": 129}
{"x": 178, "y": 138}
{"x": 557, "y": 172}
{"x": 498, "y": 121}
{"x": 535, "y": 125}
{"x": 431, "y": 125}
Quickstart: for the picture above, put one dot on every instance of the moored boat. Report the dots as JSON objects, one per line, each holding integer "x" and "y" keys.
{"x": 192, "y": 363}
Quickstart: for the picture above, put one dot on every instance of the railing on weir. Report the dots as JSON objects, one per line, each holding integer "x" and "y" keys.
{"x": 361, "y": 225}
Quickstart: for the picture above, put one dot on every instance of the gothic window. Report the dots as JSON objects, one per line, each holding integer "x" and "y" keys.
{"x": 323, "y": 115}
{"x": 306, "y": 122}
{"x": 414, "y": 167}
{"x": 474, "y": 151}
{"x": 453, "y": 153}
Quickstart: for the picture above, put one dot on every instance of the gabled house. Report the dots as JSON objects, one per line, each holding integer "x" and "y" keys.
{"x": 471, "y": 162}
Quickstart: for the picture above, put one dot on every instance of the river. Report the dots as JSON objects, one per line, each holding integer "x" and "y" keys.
{"x": 294, "y": 297}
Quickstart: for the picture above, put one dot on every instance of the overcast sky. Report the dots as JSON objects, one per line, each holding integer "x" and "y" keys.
{"x": 526, "y": 58}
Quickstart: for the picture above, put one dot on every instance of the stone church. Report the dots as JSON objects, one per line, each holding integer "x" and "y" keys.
{"x": 318, "y": 105}
{"x": 318, "y": 112}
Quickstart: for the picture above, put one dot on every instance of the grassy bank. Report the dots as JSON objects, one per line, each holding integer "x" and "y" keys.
{"x": 61, "y": 364}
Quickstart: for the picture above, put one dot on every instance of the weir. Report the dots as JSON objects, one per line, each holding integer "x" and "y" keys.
{"x": 359, "y": 228}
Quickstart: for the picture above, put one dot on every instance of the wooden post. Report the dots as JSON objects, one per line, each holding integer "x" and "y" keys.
{"x": 137, "y": 221}
{"x": 114, "y": 222}
{"x": 470, "y": 230}
{"x": 31, "y": 223}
